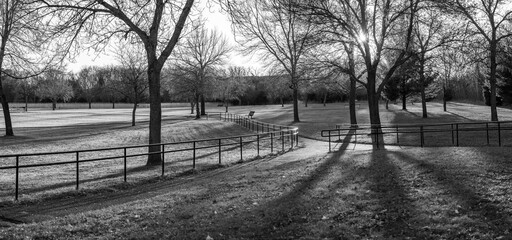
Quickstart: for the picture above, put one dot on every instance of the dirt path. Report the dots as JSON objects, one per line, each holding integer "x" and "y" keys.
{"x": 41, "y": 211}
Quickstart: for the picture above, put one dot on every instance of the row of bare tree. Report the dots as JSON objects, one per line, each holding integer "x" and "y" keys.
{"x": 304, "y": 42}
{"x": 371, "y": 40}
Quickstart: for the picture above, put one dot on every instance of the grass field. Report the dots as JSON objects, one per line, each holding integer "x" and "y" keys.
{"x": 396, "y": 193}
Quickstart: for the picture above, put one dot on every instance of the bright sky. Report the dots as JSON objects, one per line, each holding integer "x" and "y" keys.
{"x": 215, "y": 19}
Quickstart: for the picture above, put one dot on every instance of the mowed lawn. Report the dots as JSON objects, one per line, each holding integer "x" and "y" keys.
{"x": 70, "y": 130}
{"x": 396, "y": 193}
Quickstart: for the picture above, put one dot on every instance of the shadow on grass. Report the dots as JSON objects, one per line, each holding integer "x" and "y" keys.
{"x": 487, "y": 217}
{"x": 375, "y": 201}
{"x": 319, "y": 206}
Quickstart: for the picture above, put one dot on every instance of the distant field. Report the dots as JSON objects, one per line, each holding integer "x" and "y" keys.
{"x": 94, "y": 105}
{"x": 316, "y": 117}
{"x": 41, "y": 123}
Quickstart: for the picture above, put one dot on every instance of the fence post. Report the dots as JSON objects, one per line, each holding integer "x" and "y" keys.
{"x": 421, "y": 136}
{"x": 77, "y": 170}
{"x": 282, "y": 141}
{"x": 377, "y": 138}
{"x": 17, "y": 177}
{"x": 124, "y": 164}
{"x": 194, "y": 155}
{"x": 453, "y": 141}
{"x": 499, "y": 134}
{"x": 258, "y": 144}
{"x": 457, "y": 133}
{"x": 291, "y": 138}
{"x": 271, "y": 142}
{"x": 220, "y": 161}
{"x": 487, "y": 130}
{"x": 241, "y": 151}
{"x": 163, "y": 158}
{"x": 397, "y": 138}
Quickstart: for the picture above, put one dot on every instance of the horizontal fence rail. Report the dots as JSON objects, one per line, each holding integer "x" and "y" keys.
{"x": 441, "y": 134}
{"x": 269, "y": 136}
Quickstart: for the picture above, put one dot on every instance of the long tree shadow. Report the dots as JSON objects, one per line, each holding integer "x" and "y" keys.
{"x": 394, "y": 209}
{"x": 335, "y": 204}
{"x": 486, "y": 216}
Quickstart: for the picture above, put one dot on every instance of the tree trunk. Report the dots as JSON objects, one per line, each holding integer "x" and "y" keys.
{"x": 422, "y": 86}
{"x": 492, "y": 82}
{"x": 373, "y": 105}
{"x": 352, "y": 102}
{"x": 404, "y": 101}
{"x": 89, "y": 104}
{"x": 325, "y": 98}
{"x": 353, "y": 81}
{"x": 113, "y": 104}
{"x": 192, "y": 105}
{"x": 444, "y": 98}
{"x": 226, "y": 105}
{"x": 133, "y": 112}
{"x": 296, "y": 103}
{"x": 198, "y": 110}
{"x": 203, "y": 107}
{"x": 155, "y": 115}
{"x": 7, "y": 114}
{"x": 3, "y": 99}
{"x": 54, "y": 104}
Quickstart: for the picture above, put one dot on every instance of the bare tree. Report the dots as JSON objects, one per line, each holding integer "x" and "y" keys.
{"x": 273, "y": 28}
{"x": 277, "y": 87}
{"x": 27, "y": 45}
{"x": 182, "y": 85}
{"x": 432, "y": 31}
{"x": 129, "y": 79}
{"x": 87, "y": 80}
{"x": 491, "y": 20}
{"x": 54, "y": 84}
{"x": 201, "y": 52}
{"x": 380, "y": 30}
{"x": 26, "y": 88}
{"x": 157, "y": 24}
{"x": 231, "y": 85}
{"x": 337, "y": 56}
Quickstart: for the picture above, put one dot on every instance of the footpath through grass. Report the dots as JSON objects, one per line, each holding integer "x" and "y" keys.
{"x": 397, "y": 193}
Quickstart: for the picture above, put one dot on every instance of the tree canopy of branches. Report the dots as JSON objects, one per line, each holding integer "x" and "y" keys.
{"x": 87, "y": 80}
{"x": 491, "y": 20}
{"x": 380, "y": 30}
{"x": 231, "y": 84}
{"x": 29, "y": 43}
{"x": 55, "y": 85}
{"x": 273, "y": 29}
{"x": 129, "y": 79}
{"x": 201, "y": 52}
{"x": 156, "y": 24}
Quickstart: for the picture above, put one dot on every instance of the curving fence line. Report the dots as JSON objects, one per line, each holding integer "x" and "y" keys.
{"x": 268, "y": 137}
{"x": 442, "y": 134}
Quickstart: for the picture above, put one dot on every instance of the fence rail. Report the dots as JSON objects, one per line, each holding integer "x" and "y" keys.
{"x": 493, "y": 130}
{"x": 271, "y": 135}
